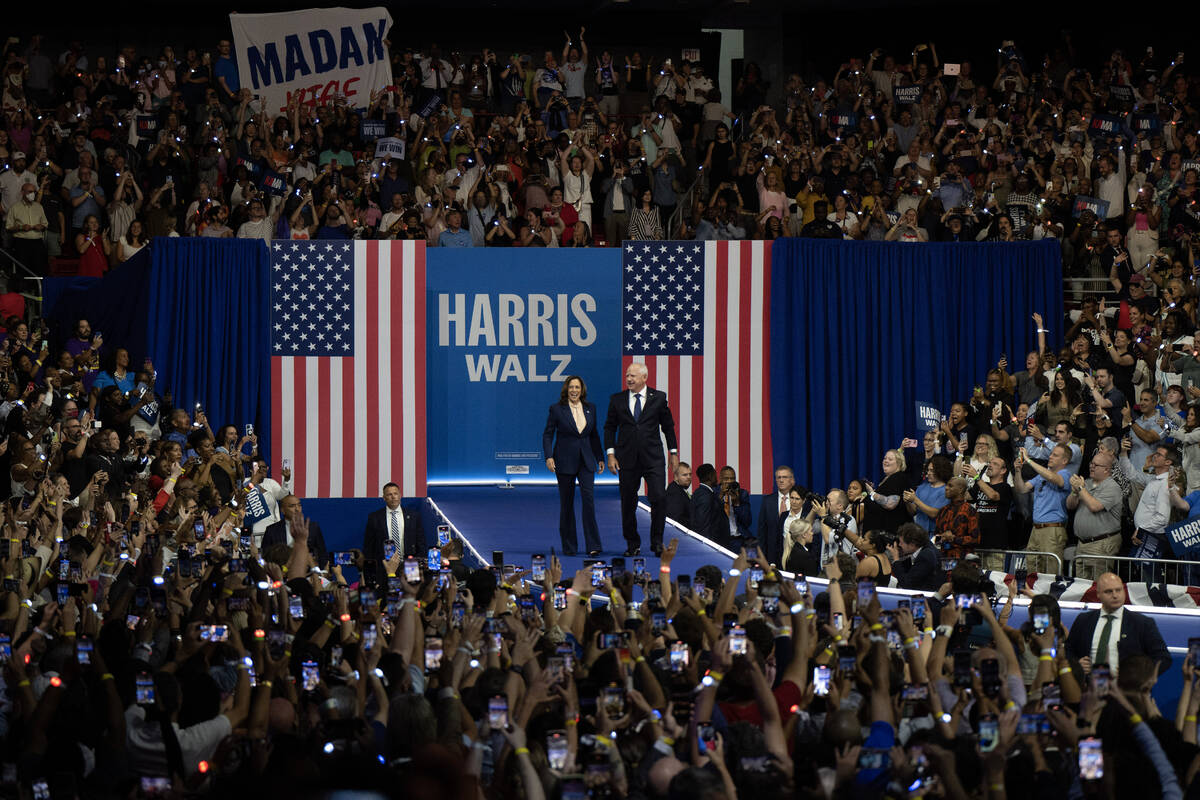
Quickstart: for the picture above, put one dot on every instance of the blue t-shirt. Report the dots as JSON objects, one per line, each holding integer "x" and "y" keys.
{"x": 227, "y": 68}
{"x": 934, "y": 496}
{"x": 1050, "y": 501}
{"x": 458, "y": 238}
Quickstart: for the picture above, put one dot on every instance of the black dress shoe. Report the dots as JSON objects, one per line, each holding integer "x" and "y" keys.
{"x": 593, "y": 553}
{"x": 632, "y": 551}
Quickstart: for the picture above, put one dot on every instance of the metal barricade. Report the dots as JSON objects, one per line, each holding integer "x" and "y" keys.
{"x": 1141, "y": 570}
{"x": 1012, "y": 560}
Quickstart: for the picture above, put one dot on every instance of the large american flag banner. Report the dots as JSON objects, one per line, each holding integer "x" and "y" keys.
{"x": 698, "y": 315}
{"x": 348, "y": 365}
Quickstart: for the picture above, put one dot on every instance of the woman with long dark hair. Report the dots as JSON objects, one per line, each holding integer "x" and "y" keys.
{"x": 571, "y": 443}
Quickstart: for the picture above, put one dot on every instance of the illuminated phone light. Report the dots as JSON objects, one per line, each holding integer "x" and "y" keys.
{"x": 328, "y": 748}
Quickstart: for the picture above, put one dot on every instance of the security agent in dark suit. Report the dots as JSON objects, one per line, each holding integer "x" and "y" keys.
{"x": 1128, "y": 632}
{"x": 391, "y": 523}
{"x": 571, "y": 443}
{"x": 679, "y": 501}
{"x": 914, "y": 560}
{"x": 708, "y": 517}
{"x": 281, "y": 532}
{"x": 631, "y": 432}
{"x": 771, "y": 513}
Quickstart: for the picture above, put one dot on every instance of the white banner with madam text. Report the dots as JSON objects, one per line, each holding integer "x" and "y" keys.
{"x": 319, "y": 55}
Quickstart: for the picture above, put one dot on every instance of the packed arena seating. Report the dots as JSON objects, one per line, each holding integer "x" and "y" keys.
{"x": 159, "y": 640}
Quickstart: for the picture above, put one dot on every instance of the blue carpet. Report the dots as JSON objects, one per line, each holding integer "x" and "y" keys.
{"x": 524, "y": 520}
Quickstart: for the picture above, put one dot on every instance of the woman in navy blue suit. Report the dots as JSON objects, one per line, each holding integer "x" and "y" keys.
{"x": 571, "y": 442}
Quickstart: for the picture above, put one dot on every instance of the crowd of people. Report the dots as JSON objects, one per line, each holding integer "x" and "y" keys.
{"x": 584, "y": 145}
{"x": 172, "y": 623}
{"x": 1074, "y": 466}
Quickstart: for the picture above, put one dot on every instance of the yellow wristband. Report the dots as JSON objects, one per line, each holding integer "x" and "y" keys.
{"x": 1045, "y": 657}
{"x": 265, "y": 683}
{"x": 716, "y": 676}
{"x": 1134, "y": 719}
{"x": 69, "y": 634}
{"x": 640, "y": 660}
{"x": 702, "y": 613}
{"x": 878, "y": 626}
{"x": 23, "y": 683}
{"x": 1064, "y": 671}
{"x": 1190, "y": 718}
{"x": 107, "y": 676}
{"x": 571, "y": 722}
{"x": 522, "y": 751}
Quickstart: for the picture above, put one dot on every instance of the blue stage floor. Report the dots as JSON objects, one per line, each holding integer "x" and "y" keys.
{"x": 524, "y": 520}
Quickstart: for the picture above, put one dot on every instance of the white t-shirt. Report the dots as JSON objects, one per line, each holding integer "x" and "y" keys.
{"x": 148, "y": 754}
{"x": 263, "y": 229}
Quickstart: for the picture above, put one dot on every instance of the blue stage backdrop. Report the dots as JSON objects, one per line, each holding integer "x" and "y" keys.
{"x": 862, "y": 331}
{"x": 207, "y": 328}
{"x": 505, "y": 327}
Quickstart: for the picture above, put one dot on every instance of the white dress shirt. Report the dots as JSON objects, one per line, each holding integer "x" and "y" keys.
{"x": 633, "y": 399}
{"x": 1153, "y": 513}
{"x": 1110, "y": 657}
{"x": 397, "y": 514}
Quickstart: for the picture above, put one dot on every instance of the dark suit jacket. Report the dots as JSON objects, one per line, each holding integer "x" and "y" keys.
{"x": 708, "y": 517}
{"x": 769, "y": 530}
{"x": 679, "y": 505}
{"x": 572, "y": 451}
{"x": 277, "y": 534}
{"x": 635, "y": 442}
{"x": 921, "y": 573}
{"x": 741, "y": 512}
{"x": 376, "y": 534}
{"x": 1139, "y": 636}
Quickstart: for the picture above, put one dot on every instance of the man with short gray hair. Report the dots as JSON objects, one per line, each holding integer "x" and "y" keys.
{"x": 1098, "y": 504}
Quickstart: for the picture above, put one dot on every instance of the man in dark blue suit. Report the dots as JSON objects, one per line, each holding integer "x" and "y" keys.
{"x": 708, "y": 517}
{"x": 771, "y": 513}
{"x": 914, "y": 560}
{"x": 631, "y": 438}
{"x": 391, "y": 524}
{"x": 571, "y": 443}
{"x": 1113, "y": 633}
{"x": 281, "y": 532}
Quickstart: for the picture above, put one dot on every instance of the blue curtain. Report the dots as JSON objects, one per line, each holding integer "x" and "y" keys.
{"x": 116, "y": 305}
{"x": 861, "y": 331}
{"x": 208, "y": 328}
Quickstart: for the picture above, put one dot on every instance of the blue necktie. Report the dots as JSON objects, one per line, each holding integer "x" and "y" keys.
{"x": 637, "y": 405}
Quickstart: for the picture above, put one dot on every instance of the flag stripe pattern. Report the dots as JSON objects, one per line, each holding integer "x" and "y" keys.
{"x": 697, "y": 314}
{"x": 348, "y": 365}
